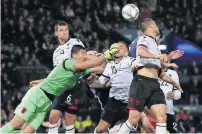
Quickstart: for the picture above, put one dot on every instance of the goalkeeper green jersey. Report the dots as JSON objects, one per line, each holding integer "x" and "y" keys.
{"x": 63, "y": 76}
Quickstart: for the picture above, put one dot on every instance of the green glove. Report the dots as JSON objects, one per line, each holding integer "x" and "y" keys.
{"x": 114, "y": 46}
{"x": 109, "y": 54}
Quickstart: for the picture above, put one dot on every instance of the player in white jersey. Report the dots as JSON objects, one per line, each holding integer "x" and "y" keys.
{"x": 171, "y": 93}
{"x": 118, "y": 72}
{"x": 62, "y": 52}
{"x": 145, "y": 89}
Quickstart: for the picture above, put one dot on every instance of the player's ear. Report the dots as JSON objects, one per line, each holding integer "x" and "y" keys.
{"x": 56, "y": 33}
{"x": 73, "y": 55}
{"x": 126, "y": 54}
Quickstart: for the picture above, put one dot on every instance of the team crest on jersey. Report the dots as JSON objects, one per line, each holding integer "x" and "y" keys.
{"x": 131, "y": 100}
{"x": 137, "y": 102}
{"x": 23, "y": 110}
{"x": 62, "y": 52}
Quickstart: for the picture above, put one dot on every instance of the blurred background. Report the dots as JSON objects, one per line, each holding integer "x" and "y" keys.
{"x": 28, "y": 42}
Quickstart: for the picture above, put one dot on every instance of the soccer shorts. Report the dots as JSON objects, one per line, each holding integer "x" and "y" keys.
{"x": 115, "y": 111}
{"x": 171, "y": 124}
{"x": 145, "y": 91}
{"x": 34, "y": 106}
{"x": 66, "y": 102}
{"x": 70, "y": 100}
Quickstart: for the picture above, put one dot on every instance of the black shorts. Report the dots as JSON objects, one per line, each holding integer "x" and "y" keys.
{"x": 66, "y": 102}
{"x": 145, "y": 91}
{"x": 115, "y": 111}
{"x": 70, "y": 100}
{"x": 172, "y": 126}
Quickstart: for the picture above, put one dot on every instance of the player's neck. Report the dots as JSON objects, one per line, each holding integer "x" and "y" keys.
{"x": 118, "y": 59}
{"x": 148, "y": 33}
{"x": 62, "y": 42}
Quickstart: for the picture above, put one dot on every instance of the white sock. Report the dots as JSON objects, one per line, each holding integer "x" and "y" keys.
{"x": 70, "y": 129}
{"x": 53, "y": 129}
{"x": 161, "y": 128}
{"x": 125, "y": 128}
{"x": 95, "y": 131}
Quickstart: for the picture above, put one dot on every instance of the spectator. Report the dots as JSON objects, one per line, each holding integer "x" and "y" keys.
{"x": 28, "y": 38}
{"x": 34, "y": 60}
{"x": 69, "y": 12}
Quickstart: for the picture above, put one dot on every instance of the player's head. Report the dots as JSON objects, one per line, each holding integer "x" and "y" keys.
{"x": 149, "y": 26}
{"x": 123, "y": 49}
{"x": 78, "y": 53}
{"x": 92, "y": 54}
{"x": 62, "y": 30}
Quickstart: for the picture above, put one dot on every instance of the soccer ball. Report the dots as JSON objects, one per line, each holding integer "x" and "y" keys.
{"x": 130, "y": 12}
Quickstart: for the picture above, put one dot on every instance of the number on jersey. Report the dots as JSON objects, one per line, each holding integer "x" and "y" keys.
{"x": 164, "y": 83}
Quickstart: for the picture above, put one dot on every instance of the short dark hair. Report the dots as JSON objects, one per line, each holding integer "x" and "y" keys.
{"x": 59, "y": 23}
{"x": 144, "y": 24}
{"x": 76, "y": 49}
{"x": 125, "y": 44}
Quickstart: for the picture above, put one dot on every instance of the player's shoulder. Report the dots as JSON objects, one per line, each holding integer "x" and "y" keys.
{"x": 58, "y": 49}
{"x": 68, "y": 60}
{"x": 126, "y": 58}
{"x": 143, "y": 37}
{"x": 74, "y": 40}
{"x": 143, "y": 40}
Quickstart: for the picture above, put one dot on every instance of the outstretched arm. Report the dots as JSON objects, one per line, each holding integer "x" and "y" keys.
{"x": 164, "y": 77}
{"x": 167, "y": 65}
{"x": 175, "y": 54}
{"x": 89, "y": 63}
{"x": 143, "y": 52}
{"x": 97, "y": 70}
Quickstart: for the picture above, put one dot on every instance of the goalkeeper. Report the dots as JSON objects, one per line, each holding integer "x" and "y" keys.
{"x": 30, "y": 113}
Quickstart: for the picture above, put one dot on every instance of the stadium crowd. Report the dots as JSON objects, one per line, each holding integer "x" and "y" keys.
{"x": 28, "y": 40}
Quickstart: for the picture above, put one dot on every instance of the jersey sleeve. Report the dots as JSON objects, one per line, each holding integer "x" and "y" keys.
{"x": 142, "y": 41}
{"x": 175, "y": 78}
{"x": 58, "y": 57}
{"x": 103, "y": 80}
{"x": 76, "y": 41}
{"x": 87, "y": 71}
{"x": 68, "y": 65}
{"x": 129, "y": 60}
{"x": 106, "y": 71}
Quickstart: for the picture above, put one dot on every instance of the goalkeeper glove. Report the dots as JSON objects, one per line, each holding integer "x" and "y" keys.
{"x": 109, "y": 54}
